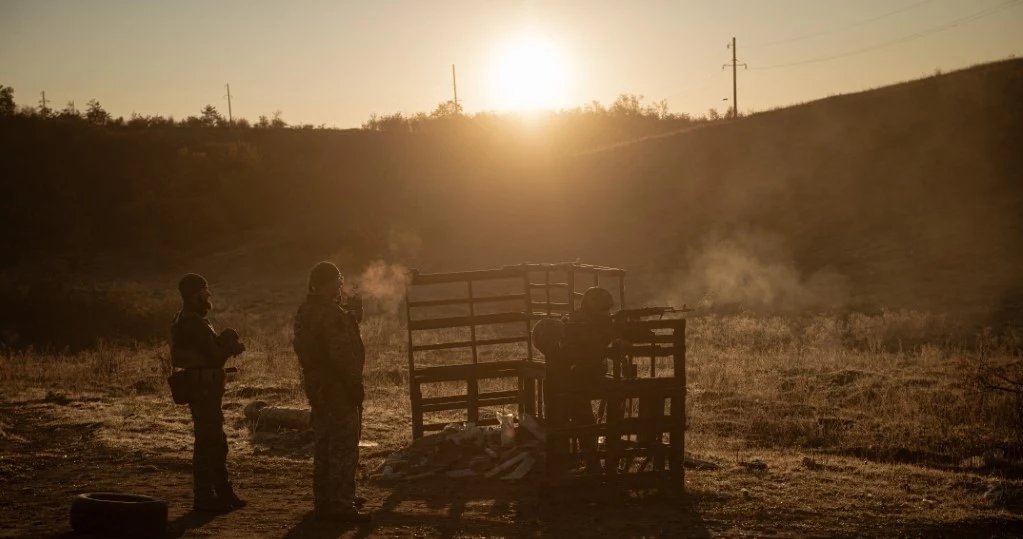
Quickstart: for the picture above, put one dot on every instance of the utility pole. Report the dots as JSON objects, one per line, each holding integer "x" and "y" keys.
{"x": 454, "y": 85}
{"x": 230, "y": 119}
{"x": 735, "y": 79}
{"x": 43, "y": 102}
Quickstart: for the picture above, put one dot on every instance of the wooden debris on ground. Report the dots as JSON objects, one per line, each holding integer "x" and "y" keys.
{"x": 464, "y": 450}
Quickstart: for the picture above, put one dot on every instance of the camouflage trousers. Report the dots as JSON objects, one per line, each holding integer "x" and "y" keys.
{"x": 335, "y": 455}
{"x": 209, "y": 452}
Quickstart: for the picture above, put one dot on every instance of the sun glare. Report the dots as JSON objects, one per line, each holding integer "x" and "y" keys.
{"x": 529, "y": 74}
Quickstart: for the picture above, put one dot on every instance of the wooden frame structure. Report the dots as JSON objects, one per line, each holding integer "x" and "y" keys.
{"x": 639, "y": 409}
{"x": 517, "y": 295}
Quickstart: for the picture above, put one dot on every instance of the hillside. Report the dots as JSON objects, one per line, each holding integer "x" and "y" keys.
{"x": 909, "y": 196}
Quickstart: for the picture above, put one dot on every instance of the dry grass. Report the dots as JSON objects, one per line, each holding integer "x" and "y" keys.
{"x": 892, "y": 384}
{"x": 855, "y": 430}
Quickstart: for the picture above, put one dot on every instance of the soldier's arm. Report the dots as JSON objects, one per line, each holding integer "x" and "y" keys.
{"x": 342, "y": 348}
{"x": 197, "y": 336}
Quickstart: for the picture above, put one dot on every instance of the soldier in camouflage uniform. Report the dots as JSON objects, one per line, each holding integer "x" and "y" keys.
{"x": 588, "y": 333}
{"x": 201, "y": 353}
{"x": 331, "y": 353}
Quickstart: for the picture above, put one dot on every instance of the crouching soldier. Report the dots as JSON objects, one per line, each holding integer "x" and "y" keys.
{"x": 200, "y": 353}
{"x": 331, "y": 353}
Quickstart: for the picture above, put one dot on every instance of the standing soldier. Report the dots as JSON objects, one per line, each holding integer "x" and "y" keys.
{"x": 331, "y": 353}
{"x": 575, "y": 349}
{"x": 201, "y": 353}
{"x": 588, "y": 333}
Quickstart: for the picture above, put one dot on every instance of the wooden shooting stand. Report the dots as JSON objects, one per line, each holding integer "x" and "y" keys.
{"x": 470, "y": 327}
{"x": 473, "y": 328}
{"x": 641, "y": 416}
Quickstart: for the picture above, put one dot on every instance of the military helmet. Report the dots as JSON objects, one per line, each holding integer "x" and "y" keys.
{"x": 322, "y": 274}
{"x": 191, "y": 284}
{"x": 597, "y": 299}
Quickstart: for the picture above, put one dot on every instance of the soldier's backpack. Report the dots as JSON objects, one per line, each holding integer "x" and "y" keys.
{"x": 181, "y": 387}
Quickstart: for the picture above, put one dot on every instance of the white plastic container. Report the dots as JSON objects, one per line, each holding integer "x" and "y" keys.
{"x": 507, "y": 430}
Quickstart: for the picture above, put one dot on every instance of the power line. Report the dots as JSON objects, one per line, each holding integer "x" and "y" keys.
{"x": 230, "y": 118}
{"x": 969, "y": 18}
{"x": 735, "y": 79}
{"x": 454, "y": 86}
{"x": 842, "y": 28}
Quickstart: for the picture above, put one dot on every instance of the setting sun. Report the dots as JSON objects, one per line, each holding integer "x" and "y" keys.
{"x": 528, "y": 74}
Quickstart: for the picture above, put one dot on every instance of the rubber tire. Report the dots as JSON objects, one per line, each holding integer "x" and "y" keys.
{"x": 118, "y": 514}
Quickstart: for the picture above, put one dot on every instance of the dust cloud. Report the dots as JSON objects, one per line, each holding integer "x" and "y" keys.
{"x": 754, "y": 271}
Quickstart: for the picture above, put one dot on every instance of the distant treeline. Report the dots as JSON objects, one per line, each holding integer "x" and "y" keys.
{"x": 78, "y": 183}
{"x": 904, "y": 197}
{"x": 628, "y": 113}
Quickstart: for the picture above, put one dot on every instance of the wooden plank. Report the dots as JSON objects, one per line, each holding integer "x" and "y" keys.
{"x": 571, "y": 291}
{"x": 623, "y": 425}
{"x": 466, "y": 321}
{"x": 473, "y": 383}
{"x": 638, "y": 387}
{"x": 508, "y": 272}
{"x": 648, "y": 350}
{"x": 466, "y": 301}
{"x": 527, "y": 387}
{"x": 616, "y": 426}
{"x": 554, "y": 306}
{"x": 547, "y": 288}
{"x": 413, "y": 390}
{"x": 467, "y": 344}
{"x": 534, "y": 369}
{"x": 463, "y": 402}
{"x": 485, "y": 422}
{"x": 621, "y": 290}
{"x": 678, "y": 410}
{"x": 489, "y": 369}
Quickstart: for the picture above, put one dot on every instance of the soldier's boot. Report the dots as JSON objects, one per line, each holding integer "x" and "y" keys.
{"x": 206, "y": 501}
{"x": 225, "y": 492}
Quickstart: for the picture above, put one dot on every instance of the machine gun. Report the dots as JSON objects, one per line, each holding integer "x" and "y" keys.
{"x": 632, "y": 315}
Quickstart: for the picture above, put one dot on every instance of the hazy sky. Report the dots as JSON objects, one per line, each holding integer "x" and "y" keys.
{"x": 336, "y": 62}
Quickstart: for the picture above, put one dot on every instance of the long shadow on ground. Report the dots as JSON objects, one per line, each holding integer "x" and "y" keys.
{"x": 483, "y": 508}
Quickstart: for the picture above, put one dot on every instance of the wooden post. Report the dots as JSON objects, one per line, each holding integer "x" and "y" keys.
{"x": 472, "y": 383}
{"x": 547, "y": 288}
{"x": 570, "y": 278}
{"x": 613, "y": 434}
{"x": 415, "y": 396}
{"x": 527, "y": 387}
{"x": 678, "y": 409}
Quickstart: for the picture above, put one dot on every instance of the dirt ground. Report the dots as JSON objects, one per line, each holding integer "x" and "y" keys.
{"x": 53, "y": 447}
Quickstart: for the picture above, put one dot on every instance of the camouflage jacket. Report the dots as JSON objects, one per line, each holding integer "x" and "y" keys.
{"x": 194, "y": 343}
{"x": 586, "y": 344}
{"x": 328, "y": 345}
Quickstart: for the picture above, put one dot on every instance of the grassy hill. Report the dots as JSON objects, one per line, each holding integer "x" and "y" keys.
{"x": 903, "y": 197}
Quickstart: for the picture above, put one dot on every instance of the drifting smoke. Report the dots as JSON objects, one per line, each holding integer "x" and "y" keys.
{"x": 404, "y": 244}
{"x": 756, "y": 272}
{"x": 383, "y": 285}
